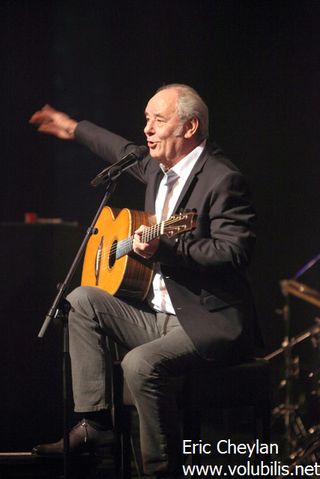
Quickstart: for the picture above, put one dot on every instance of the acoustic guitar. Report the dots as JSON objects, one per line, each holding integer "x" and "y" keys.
{"x": 110, "y": 262}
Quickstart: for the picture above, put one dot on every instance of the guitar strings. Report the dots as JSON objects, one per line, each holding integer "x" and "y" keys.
{"x": 127, "y": 242}
{"x": 146, "y": 235}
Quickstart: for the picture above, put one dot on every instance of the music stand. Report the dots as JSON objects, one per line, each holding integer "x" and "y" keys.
{"x": 292, "y": 421}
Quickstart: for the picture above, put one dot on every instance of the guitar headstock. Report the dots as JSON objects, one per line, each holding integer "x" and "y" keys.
{"x": 180, "y": 223}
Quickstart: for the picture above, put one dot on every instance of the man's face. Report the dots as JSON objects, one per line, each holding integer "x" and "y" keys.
{"x": 164, "y": 129}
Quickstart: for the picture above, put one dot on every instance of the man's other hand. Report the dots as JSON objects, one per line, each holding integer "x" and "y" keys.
{"x": 53, "y": 122}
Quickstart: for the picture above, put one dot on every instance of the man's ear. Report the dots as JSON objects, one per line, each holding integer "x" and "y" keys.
{"x": 191, "y": 127}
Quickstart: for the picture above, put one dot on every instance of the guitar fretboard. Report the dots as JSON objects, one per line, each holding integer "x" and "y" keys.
{"x": 151, "y": 232}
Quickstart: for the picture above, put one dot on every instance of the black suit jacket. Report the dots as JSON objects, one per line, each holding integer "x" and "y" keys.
{"x": 204, "y": 270}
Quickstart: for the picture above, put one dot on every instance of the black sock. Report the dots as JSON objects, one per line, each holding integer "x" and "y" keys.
{"x": 100, "y": 420}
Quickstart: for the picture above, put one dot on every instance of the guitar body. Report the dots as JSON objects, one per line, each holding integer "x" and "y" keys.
{"x": 128, "y": 276}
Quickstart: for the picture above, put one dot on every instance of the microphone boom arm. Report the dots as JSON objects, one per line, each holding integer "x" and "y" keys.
{"x": 113, "y": 171}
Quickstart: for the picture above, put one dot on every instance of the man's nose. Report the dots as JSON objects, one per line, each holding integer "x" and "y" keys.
{"x": 149, "y": 128}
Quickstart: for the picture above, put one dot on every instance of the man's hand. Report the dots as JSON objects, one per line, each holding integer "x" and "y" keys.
{"x": 53, "y": 122}
{"x": 146, "y": 250}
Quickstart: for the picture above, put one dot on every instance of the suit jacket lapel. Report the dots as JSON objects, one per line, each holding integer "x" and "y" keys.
{"x": 153, "y": 187}
{"x": 192, "y": 179}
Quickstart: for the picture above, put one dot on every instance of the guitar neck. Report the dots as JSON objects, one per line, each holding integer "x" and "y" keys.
{"x": 151, "y": 232}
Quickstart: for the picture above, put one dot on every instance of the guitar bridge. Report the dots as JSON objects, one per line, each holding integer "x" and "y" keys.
{"x": 97, "y": 263}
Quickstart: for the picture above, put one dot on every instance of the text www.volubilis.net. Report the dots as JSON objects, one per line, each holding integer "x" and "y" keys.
{"x": 272, "y": 469}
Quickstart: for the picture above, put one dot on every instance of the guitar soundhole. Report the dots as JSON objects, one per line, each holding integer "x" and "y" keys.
{"x": 113, "y": 254}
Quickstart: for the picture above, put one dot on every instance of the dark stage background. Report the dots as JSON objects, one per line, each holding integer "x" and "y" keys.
{"x": 256, "y": 63}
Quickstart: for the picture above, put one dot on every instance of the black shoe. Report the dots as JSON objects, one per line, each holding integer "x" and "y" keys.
{"x": 83, "y": 437}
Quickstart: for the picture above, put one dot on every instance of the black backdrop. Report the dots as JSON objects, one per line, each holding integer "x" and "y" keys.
{"x": 256, "y": 63}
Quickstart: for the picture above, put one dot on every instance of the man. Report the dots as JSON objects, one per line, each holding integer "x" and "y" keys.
{"x": 199, "y": 307}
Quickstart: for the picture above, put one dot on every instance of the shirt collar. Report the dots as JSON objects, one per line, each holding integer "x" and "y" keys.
{"x": 183, "y": 168}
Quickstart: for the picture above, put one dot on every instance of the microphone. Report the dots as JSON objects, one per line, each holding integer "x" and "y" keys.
{"x": 115, "y": 170}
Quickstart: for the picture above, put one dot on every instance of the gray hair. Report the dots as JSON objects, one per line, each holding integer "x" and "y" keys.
{"x": 190, "y": 105}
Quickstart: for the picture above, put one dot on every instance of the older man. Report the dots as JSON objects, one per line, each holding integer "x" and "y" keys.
{"x": 199, "y": 306}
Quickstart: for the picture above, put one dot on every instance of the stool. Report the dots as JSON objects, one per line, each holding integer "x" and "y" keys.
{"x": 217, "y": 388}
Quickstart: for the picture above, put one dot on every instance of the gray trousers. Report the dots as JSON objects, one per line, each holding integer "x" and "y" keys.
{"x": 159, "y": 354}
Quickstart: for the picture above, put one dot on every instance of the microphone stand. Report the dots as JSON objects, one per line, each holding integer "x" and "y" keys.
{"x": 60, "y": 307}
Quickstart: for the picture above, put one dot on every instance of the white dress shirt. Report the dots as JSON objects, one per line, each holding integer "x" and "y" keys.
{"x": 171, "y": 184}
